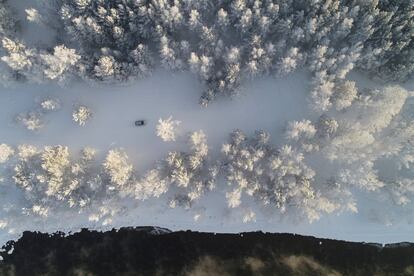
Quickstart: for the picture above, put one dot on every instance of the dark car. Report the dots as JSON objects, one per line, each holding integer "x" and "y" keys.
{"x": 139, "y": 123}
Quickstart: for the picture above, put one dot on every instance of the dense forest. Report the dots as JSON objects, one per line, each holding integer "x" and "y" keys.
{"x": 358, "y": 139}
{"x": 157, "y": 251}
{"x": 223, "y": 42}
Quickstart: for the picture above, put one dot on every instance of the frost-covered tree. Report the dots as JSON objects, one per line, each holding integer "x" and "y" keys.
{"x": 249, "y": 216}
{"x": 388, "y": 48}
{"x": 6, "y": 75}
{"x": 300, "y": 129}
{"x": 26, "y": 151}
{"x": 19, "y": 58}
{"x": 81, "y": 114}
{"x": 196, "y": 174}
{"x": 106, "y": 68}
{"x": 119, "y": 30}
{"x": 8, "y": 20}
{"x": 326, "y": 127}
{"x": 117, "y": 167}
{"x": 375, "y": 128}
{"x": 402, "y": 190}
{"x": 33, "y": 15}
{"x": 87, "y": 185}
{"x": 62, "y": 62}
{"x": 366, "y": 124}
{"x": 51, "y": 178}
{"x": 290, "y": 61}
{"x": 5, "y": 153}
{"x": 167, "y": 129}
{"x": 121, "y": 40}
{"x": 152, "y": 184}
{"x": 185, "y": 175}
{"x": 55, "y": 162}
{"x": 345, "y": 93}
{"x": 31, "y": 120}
{"x": 50, "y": 104}
{"x": 302, "y": 132}
{"x": 190, "y": 173}
{"x": 38, "y": 66}
{"x": 322, "y": 91}
{"x": 277, "y": 178}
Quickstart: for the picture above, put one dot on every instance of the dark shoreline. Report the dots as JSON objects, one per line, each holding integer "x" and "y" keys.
{"x": 158, "y": 251}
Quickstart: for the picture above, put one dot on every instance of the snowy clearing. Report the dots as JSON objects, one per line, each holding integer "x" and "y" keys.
{"x": 115, "y": 109}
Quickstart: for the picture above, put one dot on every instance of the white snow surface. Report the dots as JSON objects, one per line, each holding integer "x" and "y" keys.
{"x": 266, "y": 104}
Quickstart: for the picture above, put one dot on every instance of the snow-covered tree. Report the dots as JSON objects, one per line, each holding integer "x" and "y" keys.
{"x": 249, "y": 216}
{"x": 55, "y": 162}
{"x": 322, "y": 91}
{"x": 50, "y": 104}
{"x": 33, "y": 15}
{"x": 37, "y": 66}
{"x": 5, "y": 153}
{"x": 8, "y": 20}
{"x": 60, "y": 63}
{"x": 51, "y": 179}
{"x": 300, "y": 129}
{"x": 81, "y": 114}
{"x": 167, "y": 129}
{"x": 26, "y": 151}
{"x": 375, "y": 128}
{"x": 120, "y": 40}
{"x": 302, "y": 132}
{"x": 30, "y": 120}
{"x": 191, "y": 172}
{"x": 402, "y": 190}
{"x": 117, "y": 167}
{"x": 290, "y": 61}
{"x": 19, "y": 58}
{"x": 152, "y": 184}
{"x": 106, "y": 68}
{"x": 234, "y": 198}
{"x": 345, "y": 93}
{"x": 326, "y": 127}
{"x": 277, "y": 178}
{"x": 222, "y": 18}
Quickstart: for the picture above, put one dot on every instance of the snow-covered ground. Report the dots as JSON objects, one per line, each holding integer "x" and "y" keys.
{"x": 266, "y": 104}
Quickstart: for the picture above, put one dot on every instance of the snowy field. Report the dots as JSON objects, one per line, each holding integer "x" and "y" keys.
{"x": 266, "y": 104}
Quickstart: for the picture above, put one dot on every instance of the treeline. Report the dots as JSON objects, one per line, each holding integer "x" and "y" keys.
{"x": 149, "y": 251}
{"x": 223, "y": 42}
